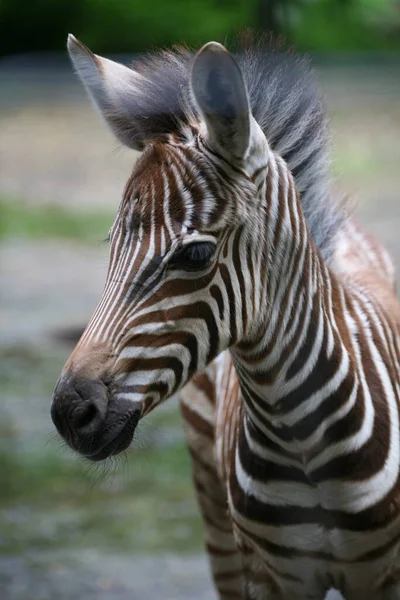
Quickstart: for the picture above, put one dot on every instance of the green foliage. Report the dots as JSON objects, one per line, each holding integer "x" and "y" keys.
{"x": 115, "y": 25}
{"x": 158, "y": 23}
{"x": 120, "y": 26}
{"x": 385, "y": 13}
{"x": 345, "y": 25}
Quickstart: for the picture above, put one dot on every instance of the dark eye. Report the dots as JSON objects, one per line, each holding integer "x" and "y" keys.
{"x": 193, "y": 256}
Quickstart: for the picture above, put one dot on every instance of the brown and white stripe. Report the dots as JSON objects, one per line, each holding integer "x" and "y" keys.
{"x": 233, "y": 268}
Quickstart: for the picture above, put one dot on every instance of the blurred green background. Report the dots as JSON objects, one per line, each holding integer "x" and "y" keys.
{"x": 131, "y": 529}
{"x": 121, "y": 26}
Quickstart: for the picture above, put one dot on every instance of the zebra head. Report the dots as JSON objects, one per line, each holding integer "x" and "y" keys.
{"x": 181, "y": 246}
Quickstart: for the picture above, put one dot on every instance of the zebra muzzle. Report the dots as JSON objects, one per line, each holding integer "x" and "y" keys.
{"x": 91, "y": 419}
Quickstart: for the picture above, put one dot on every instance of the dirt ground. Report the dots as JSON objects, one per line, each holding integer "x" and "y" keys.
{"x": 54, "y": 149}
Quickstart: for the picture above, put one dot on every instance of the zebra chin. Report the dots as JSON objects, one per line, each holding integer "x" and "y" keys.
{"x": 92, "y": 418}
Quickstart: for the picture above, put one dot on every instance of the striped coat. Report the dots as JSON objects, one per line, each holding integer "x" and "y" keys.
{"x": 326, "y": 517}
{"x": 234, "y": 269}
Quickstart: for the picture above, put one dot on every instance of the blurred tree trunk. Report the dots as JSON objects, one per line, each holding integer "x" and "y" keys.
{"x": 267, "y": 15}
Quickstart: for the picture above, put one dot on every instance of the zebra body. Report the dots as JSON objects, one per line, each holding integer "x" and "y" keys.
{"x": 303, "y": 531}
{"x": 233, "y": 268}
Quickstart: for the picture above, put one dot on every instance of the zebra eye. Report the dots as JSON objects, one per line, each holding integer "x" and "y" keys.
{"x": 193, "y": 256}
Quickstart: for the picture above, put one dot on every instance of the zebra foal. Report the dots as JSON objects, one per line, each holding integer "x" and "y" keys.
{"x": 233, "y": 270}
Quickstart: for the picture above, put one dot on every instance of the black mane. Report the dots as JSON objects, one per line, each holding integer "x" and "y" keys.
{"x": 284, "y": 101}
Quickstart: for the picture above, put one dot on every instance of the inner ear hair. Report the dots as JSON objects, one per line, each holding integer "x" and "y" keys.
{"x": 220, "y": 94}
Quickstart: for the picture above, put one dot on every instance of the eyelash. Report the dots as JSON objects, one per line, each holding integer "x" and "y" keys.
{"x": 193, "y": 256}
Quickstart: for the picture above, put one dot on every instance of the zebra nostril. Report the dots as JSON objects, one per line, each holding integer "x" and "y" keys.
{"x": 86, "y": 419}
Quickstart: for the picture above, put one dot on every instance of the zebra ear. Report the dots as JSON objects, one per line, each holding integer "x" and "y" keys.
{"x": 220, "y": 93}
{"x": 112, "y": 87}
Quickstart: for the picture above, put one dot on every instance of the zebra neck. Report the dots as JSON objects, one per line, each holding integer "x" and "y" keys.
{"x": 294, "y": 361}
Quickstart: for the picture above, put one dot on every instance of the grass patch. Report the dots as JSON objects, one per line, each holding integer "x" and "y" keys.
{"x": 51, "y": 499}
{"x": 28, "y": 370}
{"x": 21, "y": 220}
{"x": 148, "y": 505}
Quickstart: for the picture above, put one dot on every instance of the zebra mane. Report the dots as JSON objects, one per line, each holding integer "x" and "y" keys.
{"x": 285, "y": 103}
